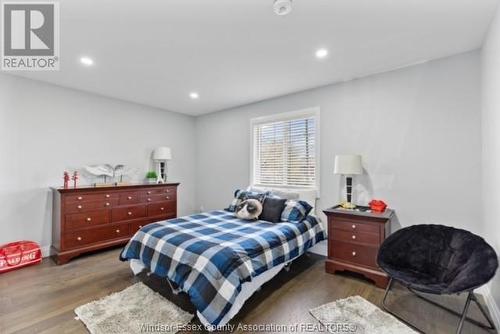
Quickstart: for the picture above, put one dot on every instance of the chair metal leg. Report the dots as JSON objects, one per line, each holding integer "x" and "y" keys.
{"x": 464, "y": 313}
{"x": 384, "y": 306}
{"x": 463, "y": 316}
{"x": 473, "y": 297}
{"x": 483, "y": 311}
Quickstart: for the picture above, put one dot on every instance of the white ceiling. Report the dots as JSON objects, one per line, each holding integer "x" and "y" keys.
{"x": 234, "y": 52}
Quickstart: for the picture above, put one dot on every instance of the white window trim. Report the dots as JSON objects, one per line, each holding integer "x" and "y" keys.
{"x": 312, "y": 111}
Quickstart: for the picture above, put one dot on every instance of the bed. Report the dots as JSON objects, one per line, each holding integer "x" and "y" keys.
{"x": 218, "y": 259}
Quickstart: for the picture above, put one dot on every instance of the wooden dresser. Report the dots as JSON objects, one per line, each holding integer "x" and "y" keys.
{"x": 90, "y": 218}
{"x": 354, "y": 238}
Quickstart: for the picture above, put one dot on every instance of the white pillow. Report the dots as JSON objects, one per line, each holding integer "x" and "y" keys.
{"x": 281, "y": 193}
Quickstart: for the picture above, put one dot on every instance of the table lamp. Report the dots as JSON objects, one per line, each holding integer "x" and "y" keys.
{"x": 348, "y": 165}
{"x": 160, "y": 156}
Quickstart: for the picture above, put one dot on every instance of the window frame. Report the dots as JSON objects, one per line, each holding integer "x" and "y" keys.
{"x": 282, "y": 117}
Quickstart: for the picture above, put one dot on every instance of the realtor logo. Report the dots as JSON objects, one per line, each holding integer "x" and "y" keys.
{"x": 30, "y": 39}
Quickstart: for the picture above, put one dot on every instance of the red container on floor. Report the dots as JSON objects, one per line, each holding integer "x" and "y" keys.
{"x": 19, "y": 254}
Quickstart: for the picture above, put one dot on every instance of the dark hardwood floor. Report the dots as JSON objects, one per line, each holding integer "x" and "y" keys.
{"x": 41, "y": 299}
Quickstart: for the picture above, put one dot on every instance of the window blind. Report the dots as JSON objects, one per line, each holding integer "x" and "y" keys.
{"x": 285, "y": 153}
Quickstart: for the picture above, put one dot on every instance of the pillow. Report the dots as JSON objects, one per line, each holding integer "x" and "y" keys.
{"x": 249, "y": 209}
{"x": 281, "y": 193}
{"x": 272, "y": 209}
{"x": 241, "y": 195}
{"x": 295, "y": 211}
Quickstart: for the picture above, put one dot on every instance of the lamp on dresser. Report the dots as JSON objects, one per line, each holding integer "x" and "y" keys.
{"x": 348, "y": 165}
{"x": 160, "y": 156}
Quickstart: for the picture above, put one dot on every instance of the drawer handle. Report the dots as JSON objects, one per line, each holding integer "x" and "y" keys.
{"x": 107, "y": 204}
{"x": 129, "y": 198}
{"x": 149, "y": 192}
{"x": 80, "y": 198}
{"x": 79, "y": 207}
{"x": 168, "y": 190}
{"x": 79, "y": 238}
{"x": 140, "y": 226}
{"x": 353, "y": 237}
{"x": 129, "y": 213}
{"x": 168, "y": 197}
{"x": 89, "y": 219}
{"x": 107, "y": 196}
{"x": 353, "y": 226}
{"x": 117, "y": 231}
{"x": 162, "y": 209}
{"x": 149, "y": 199}
{"x": 353, "y": 253}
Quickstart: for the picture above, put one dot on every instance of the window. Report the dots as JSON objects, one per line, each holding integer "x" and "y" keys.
{"x": 285, "y": 150}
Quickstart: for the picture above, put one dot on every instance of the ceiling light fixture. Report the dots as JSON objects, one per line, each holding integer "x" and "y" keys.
{"x": 194, "y": 95}
{"x": 321, "y": 53}
{"x": 86, "y": 61}
{"x": 282, "y": 7}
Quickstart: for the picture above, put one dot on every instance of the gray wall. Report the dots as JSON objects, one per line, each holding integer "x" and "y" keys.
{"x": 418, "y": 130}
{"x": 45, "y": 130}
{"x": 491, "y": 144}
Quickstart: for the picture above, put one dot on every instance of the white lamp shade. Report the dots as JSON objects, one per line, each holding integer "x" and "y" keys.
{"x": 162, "y": 153}
{"x": 348, "y": 164}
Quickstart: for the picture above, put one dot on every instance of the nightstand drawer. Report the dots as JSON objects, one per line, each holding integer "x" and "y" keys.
{"x": 356, "y": 237}
{"x": 363, "y": 255}
{"x": 352, "y": 225}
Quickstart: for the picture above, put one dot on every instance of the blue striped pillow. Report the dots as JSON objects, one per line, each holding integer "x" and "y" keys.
{"x": 295, "y": 211}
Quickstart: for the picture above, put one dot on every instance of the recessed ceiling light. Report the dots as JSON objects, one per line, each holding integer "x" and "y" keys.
{"x": 321, "y": 53}
{"x": 282, "y": 7}
{"x": 194, "y": 95}
{"x": 86, "y": 61}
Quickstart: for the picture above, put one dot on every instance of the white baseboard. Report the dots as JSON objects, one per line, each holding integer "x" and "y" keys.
{"x": 490, "y": 304}
{"x": 45, "y": 251}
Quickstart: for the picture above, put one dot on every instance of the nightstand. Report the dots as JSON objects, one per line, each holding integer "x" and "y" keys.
{"x": 354, "y": 238}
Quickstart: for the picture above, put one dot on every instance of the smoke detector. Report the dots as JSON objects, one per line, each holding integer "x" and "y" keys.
{"x": 282, "y": 7}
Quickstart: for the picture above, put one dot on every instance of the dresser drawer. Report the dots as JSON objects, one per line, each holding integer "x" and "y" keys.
{"x": 86, "y": 219}
{"x": 75, "y": 207}
{"x": 130, "y": 198}
{"x": 90, "y": 236}
{"x": 159, "y": 198}
{"x": 162, "y": 209}
{"x": 159, "y": 191}
{"x": 356, "y": 236}
{"x": 354, "y": 253}
{"x": 352, "y": 225}
{"x": 128, "y": 213}
{"x": 90, "y": 197}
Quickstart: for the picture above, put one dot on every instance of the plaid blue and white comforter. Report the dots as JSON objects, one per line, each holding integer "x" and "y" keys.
{"x": 211, "y": 255}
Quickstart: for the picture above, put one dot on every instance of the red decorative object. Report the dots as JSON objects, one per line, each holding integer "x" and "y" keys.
{"x": 66, "y": 180}
{"x": 19, "y": 254}
{"x": 377, "y": 205}
{"x": 75, "y": 178}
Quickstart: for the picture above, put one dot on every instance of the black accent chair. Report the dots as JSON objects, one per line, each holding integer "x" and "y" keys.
{"x": 438, "y": 260}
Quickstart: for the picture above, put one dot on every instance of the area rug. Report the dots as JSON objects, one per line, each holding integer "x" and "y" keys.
{"x": 357, "y": 315}
{"x": 137, "y": 309}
